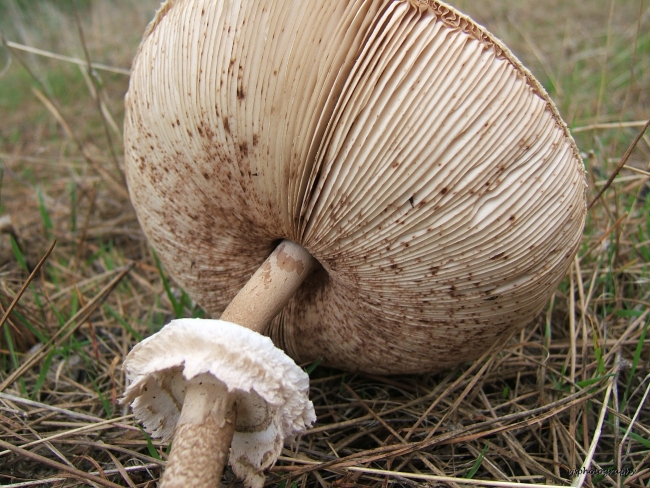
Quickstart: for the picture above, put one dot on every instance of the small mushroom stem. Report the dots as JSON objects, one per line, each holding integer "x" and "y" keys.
{"x": 203, "y": 436}
{"x": 207, "y": 421}
{"x": 271, "y": 287}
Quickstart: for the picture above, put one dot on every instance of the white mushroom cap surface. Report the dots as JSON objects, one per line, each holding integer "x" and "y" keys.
{"x": 397, "y": 141}
{"x": 272, "y": 392}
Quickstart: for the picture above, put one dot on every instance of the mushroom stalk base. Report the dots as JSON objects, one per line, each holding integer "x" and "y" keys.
{"x": 203, "y": 436}
{"x": 271, "y": 287}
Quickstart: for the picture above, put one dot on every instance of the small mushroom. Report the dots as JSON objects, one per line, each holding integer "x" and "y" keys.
{"x": 220, "y": 386}
{"x": 419, "y": 179}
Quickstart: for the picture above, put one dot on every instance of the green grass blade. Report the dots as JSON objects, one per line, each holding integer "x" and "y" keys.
{"x": 176, "y": 305}
{"x": 152, "y": 450}
{"x": 108, "y": 408}
{"x": 477, "y": 463}
{"x": 59, "y": 315}
{"x": 635, "y": 362}
{"x": 123, "y": 323}
{"x": 45, "y": 367}
{"x": 14, "y": 357}
{"x": 18, "y": 254}
{"x": 310, "y": 369}
{"x": 636, "y": 437}
{"x": 45, "y": 215}
{"x": 629, "y": 313}
{"x": 73, "y": 208}
{"x": 10, "y": 345}
{"x": 591, "y": 381}
{"x": 42, "y": 337}
{"x": 599, "y": 357}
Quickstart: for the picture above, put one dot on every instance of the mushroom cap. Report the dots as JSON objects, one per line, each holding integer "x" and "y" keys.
{"x": 400, "y": 143}
{"x": 272, "y": 392}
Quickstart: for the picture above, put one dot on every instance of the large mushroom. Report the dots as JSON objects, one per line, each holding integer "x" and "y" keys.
{"x": 396, "y": 146}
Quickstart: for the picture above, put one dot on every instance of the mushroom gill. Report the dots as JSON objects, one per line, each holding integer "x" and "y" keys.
{"x": 403, "y": 146}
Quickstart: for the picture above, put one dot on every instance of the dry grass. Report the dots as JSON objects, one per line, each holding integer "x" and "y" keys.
{"x": 568, "y": 391}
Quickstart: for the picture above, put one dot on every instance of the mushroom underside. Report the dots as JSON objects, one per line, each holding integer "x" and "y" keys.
{"x": 398, "y": 142}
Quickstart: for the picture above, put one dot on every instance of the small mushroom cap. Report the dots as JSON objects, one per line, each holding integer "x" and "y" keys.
{"x": 397, "y": 141}
{"x": 271, "y": 391}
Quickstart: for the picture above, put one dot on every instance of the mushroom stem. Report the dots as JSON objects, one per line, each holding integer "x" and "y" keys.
{"x": 207, "y": 421}
{"x": 203, "y": 435}
{"x": 271, "y": 287}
